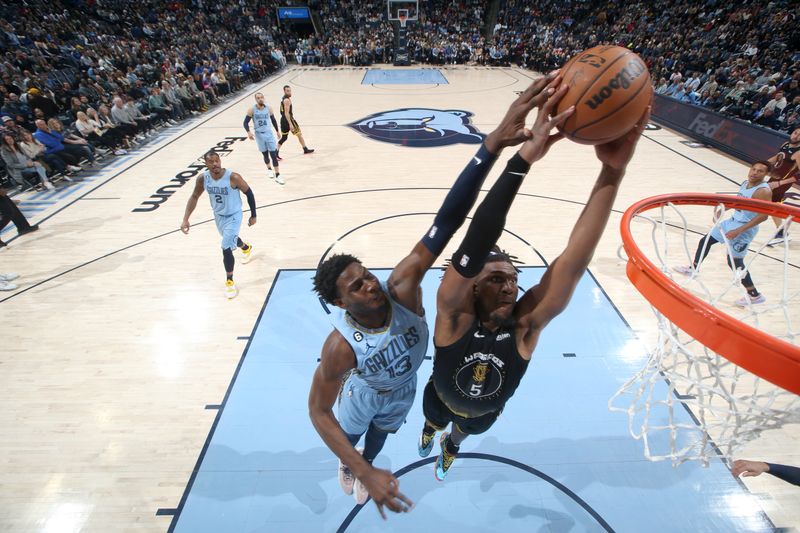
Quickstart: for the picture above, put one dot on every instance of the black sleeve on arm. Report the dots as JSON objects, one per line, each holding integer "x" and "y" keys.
{"x": 459, "y": 201}
{"x": 247, "y": 119}
{"x": 251, "y": 201}
{"x": 790, "y": 474}
{"x": 274, "y": 123}
{"x": 490, "y": 219}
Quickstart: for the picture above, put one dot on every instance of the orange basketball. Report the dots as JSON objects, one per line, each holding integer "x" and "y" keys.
{"x": 610, "y": 88}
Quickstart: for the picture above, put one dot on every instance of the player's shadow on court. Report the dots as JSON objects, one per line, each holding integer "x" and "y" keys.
{"x": 582, "y": 462}
{"x": 284, "y": 472}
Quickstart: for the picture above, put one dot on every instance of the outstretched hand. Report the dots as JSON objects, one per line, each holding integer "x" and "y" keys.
{"x": 384, "y": 489}
{"x": 743, "y": 467}
{"x": 540, "y": 139}
{"x": 512, "y": 131}
{"x": 618, "y": 153}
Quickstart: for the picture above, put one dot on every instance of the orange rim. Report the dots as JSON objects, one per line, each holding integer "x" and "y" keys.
{"x": 768, "y": 357}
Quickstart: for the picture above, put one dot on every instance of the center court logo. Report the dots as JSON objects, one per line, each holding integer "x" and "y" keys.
{"x": 420, "y": 127}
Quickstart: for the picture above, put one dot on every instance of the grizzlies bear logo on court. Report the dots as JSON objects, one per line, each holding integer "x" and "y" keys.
{"x": 420, "y": 127}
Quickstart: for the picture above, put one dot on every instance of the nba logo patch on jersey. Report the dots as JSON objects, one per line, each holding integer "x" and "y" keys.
{"x": 420, "y": 127}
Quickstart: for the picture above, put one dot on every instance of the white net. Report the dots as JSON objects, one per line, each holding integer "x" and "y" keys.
{"x": 688, "y": 402}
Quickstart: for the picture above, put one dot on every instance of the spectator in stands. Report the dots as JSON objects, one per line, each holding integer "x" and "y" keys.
{"x": 77, "y": 146}
{"x": 20, "y": 167}
{"x": 53, "y": 143}
{"x": 91, "y": 130}
{"x": 36, "y": 151}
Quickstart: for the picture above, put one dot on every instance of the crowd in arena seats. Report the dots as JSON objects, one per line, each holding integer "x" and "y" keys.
{"x": 85, "y": 79}
{"x": 741, "y": 59}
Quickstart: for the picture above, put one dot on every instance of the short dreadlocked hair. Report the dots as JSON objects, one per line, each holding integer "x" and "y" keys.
{"x": 498, "y": 254}
{"x": 327, "y": 274}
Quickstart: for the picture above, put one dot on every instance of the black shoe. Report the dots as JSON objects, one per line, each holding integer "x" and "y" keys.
{"x": 308, "y": 150}
{"x": 29, "y": 229}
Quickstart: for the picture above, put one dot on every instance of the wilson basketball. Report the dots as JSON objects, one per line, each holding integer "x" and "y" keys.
{"x": 610, "y": 88}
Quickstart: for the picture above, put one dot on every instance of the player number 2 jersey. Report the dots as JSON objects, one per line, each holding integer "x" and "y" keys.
{"x": 386, "y": 358}
{"x": 225, "y": 200}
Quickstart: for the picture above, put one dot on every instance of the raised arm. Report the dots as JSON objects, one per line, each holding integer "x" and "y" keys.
{"x": 551, "y": 296}
{"x": 192, "y": 203}
{"x": 406, "y": 277}
{"x": 454, "y": 301}
{"x": 337, "y": 358}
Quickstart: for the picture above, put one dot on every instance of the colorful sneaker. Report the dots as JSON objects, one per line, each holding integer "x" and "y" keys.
{"x": 445, "y": 459}
{"x": 247, "y": 254}
{"x": 230, "y": 289}
{"x": 686, "y": 270}
{"x": 425, "y": 444}
{"x": 360, "y": 493}
{"x": 750, "y": 300}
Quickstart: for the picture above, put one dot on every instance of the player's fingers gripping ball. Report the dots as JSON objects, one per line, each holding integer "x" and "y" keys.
{"x": 610, "y": 88}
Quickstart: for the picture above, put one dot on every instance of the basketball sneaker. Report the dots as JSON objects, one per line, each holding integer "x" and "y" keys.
{"x": 686, "y": 270}
{"x": 247, "y": 254}
{"x": 11, "y": 276}
{"x": 445, "y": 459}
{"x": 346, "y": 477}
{"x": 7, "y": 286}
{"x": 744, "y": 301}
{"x": 308, "y": 150}
{"x": 778, "y": 238}
{"x": 278, "y": 179}
{"x": 360, "y": 493}
{"x": 425, "y": 444}
{"x": 230, "y": 289}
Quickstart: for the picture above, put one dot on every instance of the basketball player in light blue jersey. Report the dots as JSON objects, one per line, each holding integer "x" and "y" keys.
{"x": 261, "y": 115}
{"x": 739, "y": 230}
{"x": 380, "y": 334}
{"x": 223, "y": 187}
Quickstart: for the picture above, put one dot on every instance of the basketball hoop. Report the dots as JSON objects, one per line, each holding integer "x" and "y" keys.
{"x": 402, "y": 16}
{"x": 738, "y": 372}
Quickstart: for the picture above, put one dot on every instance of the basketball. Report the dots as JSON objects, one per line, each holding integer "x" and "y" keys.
{"x": 610, "y": 88}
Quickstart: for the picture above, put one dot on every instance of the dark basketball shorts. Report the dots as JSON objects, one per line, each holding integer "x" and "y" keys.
{"x": 286, "y": 129}
{"x": 439, "y": 415}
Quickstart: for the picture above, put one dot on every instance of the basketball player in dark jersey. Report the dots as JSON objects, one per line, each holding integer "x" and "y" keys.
{"x": 375, "y": 399}
{"x": 484, "y": 337}
{"x": 289, "y": 124}
{"x": 785, "y": 173}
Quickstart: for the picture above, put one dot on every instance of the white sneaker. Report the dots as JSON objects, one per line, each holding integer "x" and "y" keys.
{"x": 744, "y": 301}
{"x": 270, "y": 174}
{"x": 230, "y": 289}
{"x": 120, "y": 151}
{"x": 687, "y": 270}
{"x": 66, "y": 178}
{"x": 360, "y": 493}
{"x": 7, "y": 286}
{"x": 247, "y": 255}
{"x": 778, "y": 239}
{"x": 346, "y": 478}
{"x": 10, "y": 276}
{"x": 74, "y": 168}
{"x": 47, "y": 185}
{"x": 279, "y": 180}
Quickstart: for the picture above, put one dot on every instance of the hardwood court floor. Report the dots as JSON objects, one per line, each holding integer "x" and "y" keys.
{"x": 119, "y": 342}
